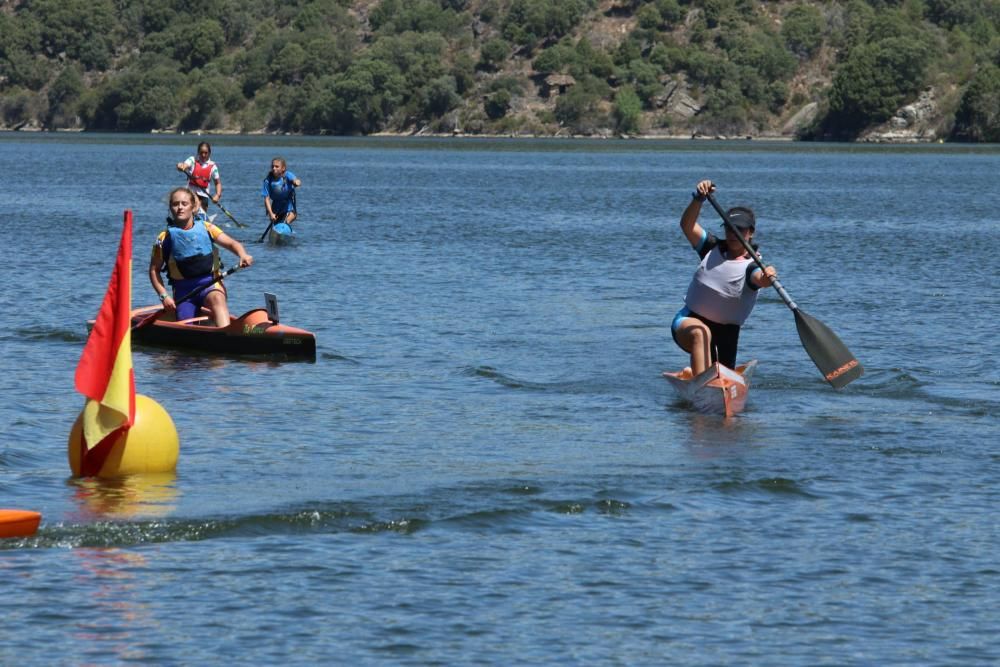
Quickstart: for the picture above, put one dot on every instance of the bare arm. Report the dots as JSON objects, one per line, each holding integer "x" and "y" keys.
{"x": 694, "y": 232}
{"x": 218, "y": 189}
{"x": 764, "y": 278}
{"x": 155, "y": 266}
{"x": 232, "y": 245}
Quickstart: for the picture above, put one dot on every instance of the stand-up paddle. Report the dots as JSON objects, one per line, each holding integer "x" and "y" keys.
{"x": 264, "y": 235}
{"x": 291, "y": 197}
{"x": 838, "y": 366}
{"x": 202, "y": 193}
{"x": 190, "y": 295}
{"x": 230, "y": 216}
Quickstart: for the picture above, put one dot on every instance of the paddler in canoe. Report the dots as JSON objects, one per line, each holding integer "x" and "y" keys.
{"x": 187, "y": 250}
{"x": 724, "y": 288}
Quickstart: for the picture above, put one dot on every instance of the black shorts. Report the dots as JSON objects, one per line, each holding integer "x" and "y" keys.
{"x": 725, "y": 337}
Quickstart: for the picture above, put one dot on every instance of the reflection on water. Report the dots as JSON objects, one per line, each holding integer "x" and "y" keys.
{"x": 710, "y": 436}
{"x": 118, "y": 618}
{"x": 140, "y": 495}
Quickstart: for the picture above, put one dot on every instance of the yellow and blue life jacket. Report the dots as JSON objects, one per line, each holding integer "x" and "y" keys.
{"x": 190, "y": 253}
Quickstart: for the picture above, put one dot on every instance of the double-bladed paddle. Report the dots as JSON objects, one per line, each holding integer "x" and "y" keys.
{"x": 190, "y": 295}
{"x": 838, "y": 366}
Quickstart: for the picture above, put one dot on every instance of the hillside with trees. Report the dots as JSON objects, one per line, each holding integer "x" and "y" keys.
{"x": 885, "y": 70}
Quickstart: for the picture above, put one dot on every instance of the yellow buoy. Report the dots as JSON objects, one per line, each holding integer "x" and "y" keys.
{"x": 151, "y": 445}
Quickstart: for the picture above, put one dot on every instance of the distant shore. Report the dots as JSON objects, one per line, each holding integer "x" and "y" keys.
{"x": 886, "y": 138}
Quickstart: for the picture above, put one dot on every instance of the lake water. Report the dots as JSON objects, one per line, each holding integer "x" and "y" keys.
{"x": 483, "y": 465}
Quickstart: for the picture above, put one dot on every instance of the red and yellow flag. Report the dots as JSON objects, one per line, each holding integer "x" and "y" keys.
{"x": 104, "y": 374}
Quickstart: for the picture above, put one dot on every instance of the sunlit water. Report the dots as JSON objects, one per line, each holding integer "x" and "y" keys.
{"x": 484, "y": 466}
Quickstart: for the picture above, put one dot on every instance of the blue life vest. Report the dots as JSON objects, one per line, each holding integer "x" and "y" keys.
{"x": 281, "y": 193}
{"x": 190, "y": 253}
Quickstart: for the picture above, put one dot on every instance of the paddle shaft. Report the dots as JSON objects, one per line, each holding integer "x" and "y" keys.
{"x": 190, "y": 295}
{"x": 193, "y": 293}
{"x": 837, "y": 364}
{"x": 264, "y": 235}
{"x": 753, "y": 253}
{"x": 283, "y": 217}
{"x": 202, "y": 193}
{"x": 230, "y": 216}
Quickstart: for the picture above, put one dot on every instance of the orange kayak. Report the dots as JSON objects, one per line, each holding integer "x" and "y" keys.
{"x": 254, "y": 333}
{"x": 18, "y": 523}
{"x": 718, "y": 391}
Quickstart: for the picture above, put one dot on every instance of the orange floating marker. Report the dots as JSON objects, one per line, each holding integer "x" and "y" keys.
{"x": 18, "y": 523}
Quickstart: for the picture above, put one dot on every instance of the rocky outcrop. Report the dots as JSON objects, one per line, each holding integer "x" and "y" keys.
{"x": 675, "y": 98}
{"x": 913, "y": 123}
{"x": 800, "y": 120}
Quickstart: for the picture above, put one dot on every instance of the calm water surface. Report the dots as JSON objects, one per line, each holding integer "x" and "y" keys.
{"x": 483, "y": 466}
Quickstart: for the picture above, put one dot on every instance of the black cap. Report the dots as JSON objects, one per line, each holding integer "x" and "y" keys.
{"x": 742, "y": 218}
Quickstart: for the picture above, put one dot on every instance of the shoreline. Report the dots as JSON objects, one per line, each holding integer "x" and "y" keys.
{"x": 888, "y": 139}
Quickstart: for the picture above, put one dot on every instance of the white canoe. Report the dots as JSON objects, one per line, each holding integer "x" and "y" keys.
{"x": 718, "y": 391}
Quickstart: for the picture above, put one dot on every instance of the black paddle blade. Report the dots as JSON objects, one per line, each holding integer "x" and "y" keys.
{"x": 838, "y": 366}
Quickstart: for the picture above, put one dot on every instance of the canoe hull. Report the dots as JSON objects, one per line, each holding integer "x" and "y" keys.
{"x": 18, "y": 523}
{"x": 281, "y": 233}
{"x": 717, "y": 391}
{"x": 251, "y": 334}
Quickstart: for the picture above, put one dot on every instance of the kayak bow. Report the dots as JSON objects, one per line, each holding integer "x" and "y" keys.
{"x": 719, "y": 390}
{"x": 281, "y": 233}
{"x": 18, "y": 523}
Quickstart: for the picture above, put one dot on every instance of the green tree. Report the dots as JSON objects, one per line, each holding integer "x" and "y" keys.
{"x": 951, "y": 13}
{"x": 204, "y": 108}
{"x": 554, "y": 58}
{"x": 25, "y": 69}
{"x": 530, "y": 21}
{"x": 438, "y": 97}
{"x": 63, "y": 95}
{"x": 978, "y": 115}
{"x": 872, "y": 84}
{"x": 856, "y": 20}
{"x": 135, "y": 101}
{"x": 579, "y": 109}
{"x": 648, "y": 17}
{"x": 289, "y": 63}
{"x": 497, "y": 104}
{"x": 18, "y": 107}
{"x": 205, "y": 42}
{"x": 802, "y": 30}
{"x": 670, "y": 12}
{"x": 493, "y": 54}
{"x": 367, "y": 94}
{"x": 627, "y": 111}
{"x": 85, "y": 30}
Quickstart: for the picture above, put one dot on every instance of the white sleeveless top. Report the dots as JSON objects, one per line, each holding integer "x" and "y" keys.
{"x": 721, "y": 290}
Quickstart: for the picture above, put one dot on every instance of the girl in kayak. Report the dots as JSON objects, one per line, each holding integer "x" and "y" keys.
{"x": 279, "y": 192}
{"x": 187, "y": 250}
{"x": 724, "y": 288}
